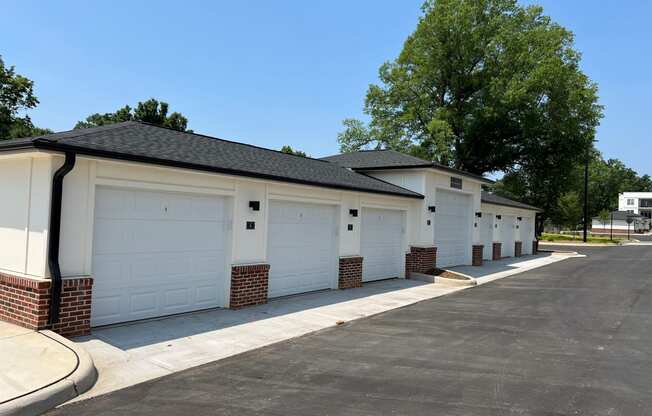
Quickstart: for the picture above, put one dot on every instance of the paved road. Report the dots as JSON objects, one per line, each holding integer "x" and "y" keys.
{"x": 574, "y": 338}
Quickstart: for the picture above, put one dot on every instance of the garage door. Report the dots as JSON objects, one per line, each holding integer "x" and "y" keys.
{"x": 156, "y": 254}
{"x": 381, "y": 244}
{"x": 301, "y": 247}
{"x": 527, "y": 234}
{"x": 486, "y": 225}
{"x": 452, "y": 225}
{"x": 507, "y": 235}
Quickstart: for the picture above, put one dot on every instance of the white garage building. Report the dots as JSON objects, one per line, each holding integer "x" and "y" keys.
{"x": 507, "y": 227}
{"x": 133, "y": 221}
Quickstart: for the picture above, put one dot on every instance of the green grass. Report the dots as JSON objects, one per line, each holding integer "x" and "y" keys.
{"x": 589, "y": 239}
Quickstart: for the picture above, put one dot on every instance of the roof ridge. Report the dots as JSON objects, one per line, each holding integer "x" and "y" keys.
{"x": 227, "y": 141}
{"x": 53, "y": 137}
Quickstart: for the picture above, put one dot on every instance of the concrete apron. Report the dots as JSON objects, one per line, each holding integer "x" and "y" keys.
{"x": 133, "y": 353}
{"x": 40, "y": 370}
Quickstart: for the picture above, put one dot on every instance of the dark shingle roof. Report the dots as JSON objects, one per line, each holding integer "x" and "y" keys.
{"x": 391, "y": 159}
{"x": 622, "y": 215}
{"x": 489, "y": 198}
{"x": 143, "y": 142}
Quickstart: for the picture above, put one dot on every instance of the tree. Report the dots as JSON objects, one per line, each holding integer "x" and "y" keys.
{"x": 486, "y": 86}
{"x": 604, "y": 216}
{"x": 289, "y": 150}
{"x": 150, "y": 111}
{"x": 16, "y": 95}
{"x": 483, "y": 86}
{"x": 570, "y": 211}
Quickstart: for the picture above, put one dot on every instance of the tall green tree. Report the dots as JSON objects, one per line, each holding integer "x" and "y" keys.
{"x": 569, "y": 210}
{"x": 150, "y": 111}
{"x": 486, "y": 86}
{"x": 604, "y": 216}
{"x": 16, "y": 96}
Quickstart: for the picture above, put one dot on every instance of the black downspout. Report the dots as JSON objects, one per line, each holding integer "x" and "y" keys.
{"x": 55, "y": 232}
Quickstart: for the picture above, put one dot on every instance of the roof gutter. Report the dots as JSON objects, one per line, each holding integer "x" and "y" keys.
{"x": 55, "y": 234}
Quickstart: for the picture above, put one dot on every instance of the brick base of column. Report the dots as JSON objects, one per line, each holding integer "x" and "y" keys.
{"x": 535, "y": 247}
{"x": 25, "y": 301}
{"x": 476, "y": 259}
{"x": 496, "y": 251}
{"x": 249, "y": 285}
{"x": 420, "y": 259}
{"x": 518, "y": 248}
{"x": 350, "y": 274}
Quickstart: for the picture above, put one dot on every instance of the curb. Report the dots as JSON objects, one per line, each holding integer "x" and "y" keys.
{"x": 67, "y": 388}
{"x": 427, "y": 278}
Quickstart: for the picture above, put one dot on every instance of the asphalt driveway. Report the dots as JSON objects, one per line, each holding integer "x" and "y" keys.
{"x": 574, "y": 337}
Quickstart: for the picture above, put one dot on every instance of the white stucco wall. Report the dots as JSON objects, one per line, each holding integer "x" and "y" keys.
{"x": 28, "y": 180}
{"x": 248, "y": 246}
{"x": 24, "y": 213}
{"x": 428, "y": 182}
{"x": 620, "y": 225}
{"x": 504, "y": 211}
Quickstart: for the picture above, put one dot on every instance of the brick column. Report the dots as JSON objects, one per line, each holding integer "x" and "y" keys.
{"x": 496, "y": 251}
{"x": 420, "y": 259}
{"x": 476, "y": 259}
{"x": 535, "y": 247}
{"x": 249, "y": 284}
{"x": 518, "y": 248}
{"x": 25, "y": 301}
{"x": 350, "y": 274}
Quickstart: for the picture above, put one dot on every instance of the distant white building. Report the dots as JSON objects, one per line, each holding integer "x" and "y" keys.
{"x": 620, "y": 223}
{"x": 636, "y": 202}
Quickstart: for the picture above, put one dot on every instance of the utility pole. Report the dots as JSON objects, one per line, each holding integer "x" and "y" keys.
{"x": 611, "y": 231}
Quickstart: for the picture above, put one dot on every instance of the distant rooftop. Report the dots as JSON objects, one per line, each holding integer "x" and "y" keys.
{"x": 490, "y": 198}
{"x": 391, "y": 159}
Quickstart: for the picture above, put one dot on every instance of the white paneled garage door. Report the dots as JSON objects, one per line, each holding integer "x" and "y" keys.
{"x": 507, "y": 228}
{"x": 301, "y": 247}
{"x": 156, "y": 253}
{"x": 452, "y": 228}
{"x": 381, "y": 244}
{"x": 486, "y": 225}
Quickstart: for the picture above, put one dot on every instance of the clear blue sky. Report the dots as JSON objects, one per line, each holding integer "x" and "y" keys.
{"x": 285, "y": 72}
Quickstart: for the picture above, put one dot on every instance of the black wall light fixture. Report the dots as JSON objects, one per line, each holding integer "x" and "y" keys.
{"x": 499, "y": 217}
{"x": 478, "y": 214}
{"x": 353, "y": 212}
{"x": 254, "y": 205}
{"x": 519, "y": 218}
{"x": 432, "y": 208}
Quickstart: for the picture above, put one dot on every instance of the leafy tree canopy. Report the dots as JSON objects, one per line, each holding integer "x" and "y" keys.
{"x": 16, "y": 95}
{"x": 569, "y": 210}
{"x": 604, "y": 216}
{"x": 288, "y": 149}
{"x": 483, "y": 85}
{"x": 150, "y": 111}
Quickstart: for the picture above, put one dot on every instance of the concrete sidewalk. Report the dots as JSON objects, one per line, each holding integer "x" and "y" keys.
{"x": 499, "y": 269}
{"x": 133, "y": 353}
{"x": 39, "y": 370}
